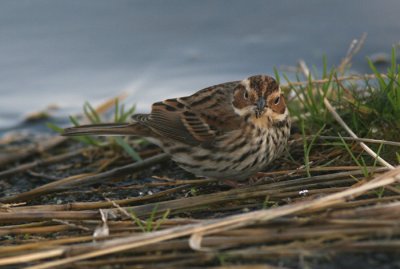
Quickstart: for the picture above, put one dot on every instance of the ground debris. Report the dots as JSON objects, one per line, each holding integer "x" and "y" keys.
{"x": 64, "y": 218}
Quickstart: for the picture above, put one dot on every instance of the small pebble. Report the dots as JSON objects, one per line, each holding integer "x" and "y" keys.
{"x": 303, "y": 192}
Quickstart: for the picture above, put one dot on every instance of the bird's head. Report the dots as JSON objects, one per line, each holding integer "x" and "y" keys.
{"x": 259, "y": 97}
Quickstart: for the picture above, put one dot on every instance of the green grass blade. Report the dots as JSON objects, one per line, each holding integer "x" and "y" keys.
{"x": 127, "y": 148}
{"x": 137, "y": 221}
{"x": 352, "y": 155}
{"x": 276, "y": 74}
{"x": 378, "y": 75}
{"x": 124, "y": 116}
{"x": 54, "y": 127}
{"x": 161, "y": 221}
{"x": 149, "y": 221}
{"x": 116, "y": 112}
{"x": 91, "y": 113}
{"x": 74, "y": 121}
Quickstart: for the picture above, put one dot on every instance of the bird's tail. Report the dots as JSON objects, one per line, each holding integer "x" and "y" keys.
{"x": 105, "y": 129}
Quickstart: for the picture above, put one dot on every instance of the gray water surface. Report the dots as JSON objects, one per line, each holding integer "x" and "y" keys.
{"x": 67, "y": 52}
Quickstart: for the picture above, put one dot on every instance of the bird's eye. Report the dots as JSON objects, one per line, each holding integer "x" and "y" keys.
{"x": 246, "y": 95}
{"x": 277, "y": 99}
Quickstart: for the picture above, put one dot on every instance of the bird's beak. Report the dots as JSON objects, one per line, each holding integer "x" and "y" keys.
{"x": 260, "y": 105}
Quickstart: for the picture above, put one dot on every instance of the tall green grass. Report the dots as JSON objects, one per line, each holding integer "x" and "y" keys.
{"x": 371, "y": 108}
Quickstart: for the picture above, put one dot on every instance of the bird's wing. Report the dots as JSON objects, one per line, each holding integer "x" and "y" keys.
{"x": 194, "y": 119}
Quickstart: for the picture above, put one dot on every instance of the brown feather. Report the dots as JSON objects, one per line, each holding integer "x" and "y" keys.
{"x": 190, "y": 119}
{"x": 107, "y": 129}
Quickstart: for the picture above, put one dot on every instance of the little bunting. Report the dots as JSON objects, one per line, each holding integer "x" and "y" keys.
{"x": 228, "y": 131}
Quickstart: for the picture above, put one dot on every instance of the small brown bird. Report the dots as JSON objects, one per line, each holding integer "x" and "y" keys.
{"x": 227, "y": 131}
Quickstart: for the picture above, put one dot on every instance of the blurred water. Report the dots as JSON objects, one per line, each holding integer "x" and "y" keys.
{"x": 66, "y": 52}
